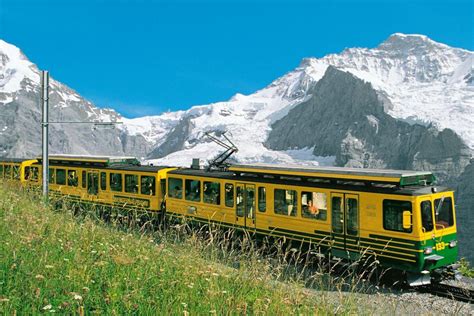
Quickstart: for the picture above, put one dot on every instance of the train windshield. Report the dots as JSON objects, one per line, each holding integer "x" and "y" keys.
{"x": 444, "y": 212}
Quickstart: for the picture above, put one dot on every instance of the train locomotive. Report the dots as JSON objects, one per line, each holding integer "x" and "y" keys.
{"x": 401, "y": 218}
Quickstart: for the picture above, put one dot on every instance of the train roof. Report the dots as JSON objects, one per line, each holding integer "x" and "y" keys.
{"x": 13, "y": 160}
{"x": 145, "y": 168}
{"x": 389, "y": 176}
{"x": 102, "y": 162}
{"x": 367, "y": 180}
{"x": 91, "y": 161}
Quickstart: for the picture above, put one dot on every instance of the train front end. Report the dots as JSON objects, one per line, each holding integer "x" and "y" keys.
{"x": 438, "y": 247}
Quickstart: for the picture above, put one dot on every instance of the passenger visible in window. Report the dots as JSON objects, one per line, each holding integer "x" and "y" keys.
{"x": 314, "y": 205}
{"x": 312, "y": 209}
{"x": 192, "y": 190}
{"x": 72, "y": 178}
{"x": 178, "y": 192}
{"x": 212, "y": 192}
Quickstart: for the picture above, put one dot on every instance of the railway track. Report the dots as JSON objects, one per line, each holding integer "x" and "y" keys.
{"x": 448, "y": 291}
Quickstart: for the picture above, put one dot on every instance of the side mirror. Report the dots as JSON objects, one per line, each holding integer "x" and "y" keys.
{"x": 407, "y": 220}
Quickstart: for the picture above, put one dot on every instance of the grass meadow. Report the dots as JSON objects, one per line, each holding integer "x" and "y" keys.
{"x": 52, "y": 261}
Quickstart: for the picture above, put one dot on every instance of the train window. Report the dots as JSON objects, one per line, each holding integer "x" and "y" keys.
{"x": 393, "y": 215}
{"x": 250, "y": 201}
{"x": 34, "y": 176}
{"x": 444, "y": 212}
{"x": 314, "y": 205}
{"x": 148, "y": 185}
{"x": 8, "y": 171}
{"x": 211, "y": 192}
{"x": 337, "y": 215}
{"x": 163, "y": 187}
{"x": 229, "y": 195}
{"x": 27, "y": 173}
{"x": 52, "y": 176}
{"x": 72, "y": 178}
{"x": 116, "y": 182}
{"x": 285, "y": 202}
{"x": 240, "y": 201}
{"x": 426, "y": 216}
{"x": 16, "y": 172}
{"x": 131, "y": 183}
{"x": 84, "y": 179}
{"x": 103, "y": 181}
{"x": 175, "y": 188}
{"x": 60, "y": 176}
{"x": 92, "y": 183}
{"x": 192, "y": 190}
{"x": 352, "y": 209}
{"x": 262, "y": 199}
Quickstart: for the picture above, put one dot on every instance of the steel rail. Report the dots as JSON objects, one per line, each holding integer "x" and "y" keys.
{"x": 448, "y": 291}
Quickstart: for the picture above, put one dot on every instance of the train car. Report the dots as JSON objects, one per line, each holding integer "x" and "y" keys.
{"x": 20, "y": 171}
{"x": 108, "y": 181}
{"x": 401, "y": 218}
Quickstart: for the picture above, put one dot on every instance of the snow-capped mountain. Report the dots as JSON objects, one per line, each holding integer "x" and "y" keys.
{"x": 20, "y": 115}
{"x": 418, "y": 80}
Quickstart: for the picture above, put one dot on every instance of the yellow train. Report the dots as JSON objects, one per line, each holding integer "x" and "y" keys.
{"x": 400, "y": 217}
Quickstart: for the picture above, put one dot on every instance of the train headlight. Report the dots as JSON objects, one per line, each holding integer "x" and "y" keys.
{"x": 453, "y": 243}
{"x": 428, "y": 250}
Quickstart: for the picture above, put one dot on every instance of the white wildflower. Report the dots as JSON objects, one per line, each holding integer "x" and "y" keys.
{"x": 77, "y": 297}
{"x": 47, "y": 307}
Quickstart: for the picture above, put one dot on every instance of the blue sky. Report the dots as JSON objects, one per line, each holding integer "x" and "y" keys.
{"x": 143, "y": 57}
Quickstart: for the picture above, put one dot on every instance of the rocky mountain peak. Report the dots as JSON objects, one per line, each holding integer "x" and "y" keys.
{"x": 409, "y": 42}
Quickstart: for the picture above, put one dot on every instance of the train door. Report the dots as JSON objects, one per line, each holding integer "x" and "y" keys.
{"x": 345, "y": 225}
{"x": 245, "y": 205}
{"x": 92, "y": 183}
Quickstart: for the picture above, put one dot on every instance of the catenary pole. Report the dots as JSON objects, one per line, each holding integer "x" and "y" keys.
{"x": 44, "y": 125}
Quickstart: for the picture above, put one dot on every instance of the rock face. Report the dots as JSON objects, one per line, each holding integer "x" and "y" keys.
{"x": 345, "y": 118}
{"x": 465, "y": 211}
{"x": 175, "y": 140}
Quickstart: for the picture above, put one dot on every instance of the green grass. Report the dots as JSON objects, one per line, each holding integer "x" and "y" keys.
{"x": 52, "y": 261}
{"x": 466, "y": 268}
